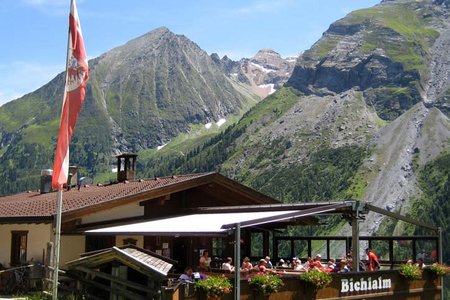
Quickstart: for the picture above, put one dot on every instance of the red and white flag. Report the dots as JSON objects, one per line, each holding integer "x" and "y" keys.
{"x": 74, "y": 92}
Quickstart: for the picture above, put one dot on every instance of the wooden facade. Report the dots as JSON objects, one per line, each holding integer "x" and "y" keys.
{"x": 383, "y": 285}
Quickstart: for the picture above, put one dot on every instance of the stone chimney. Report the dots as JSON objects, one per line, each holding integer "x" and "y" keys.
{"x": 72, "y": 179}
{"x": 46, "y": 181}
{"x": 126, "y": 167}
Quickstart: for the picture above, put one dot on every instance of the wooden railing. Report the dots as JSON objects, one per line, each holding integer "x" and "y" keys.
{"x": 387, "y": 285}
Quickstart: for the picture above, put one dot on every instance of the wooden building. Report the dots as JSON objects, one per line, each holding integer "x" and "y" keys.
{"x": 27, "y": 219}
{"x": 176, "y": 217}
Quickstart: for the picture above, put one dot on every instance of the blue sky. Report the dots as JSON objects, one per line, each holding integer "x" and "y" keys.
{"x": 34, "y": 32}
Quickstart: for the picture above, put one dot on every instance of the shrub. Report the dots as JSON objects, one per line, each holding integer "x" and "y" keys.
{"x": 440, "y": 270}
{"x": 319, "y": 279}
{"x": 410, "y": 272}
{"x": 266, "y": 283}
{"x": 214, "y": 286}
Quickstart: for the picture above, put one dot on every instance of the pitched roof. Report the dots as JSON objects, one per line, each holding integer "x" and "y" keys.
{"x": 33, "y": 205}
{"x": 135, "y": 257}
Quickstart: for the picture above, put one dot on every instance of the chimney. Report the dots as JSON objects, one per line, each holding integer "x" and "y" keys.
{"x": 126, "y": 167}
{"x": 72, "y": 179}
{"x": 46, "y": 181}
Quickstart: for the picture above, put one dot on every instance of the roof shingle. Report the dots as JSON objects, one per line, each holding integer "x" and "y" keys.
{"x": 34, "y": 204}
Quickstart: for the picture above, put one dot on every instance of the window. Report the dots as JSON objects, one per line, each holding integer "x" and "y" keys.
{"x": 18, "y": 247}
{"x": 218, "y": 247}
{"x": 130, "y": 241}
{"x": 256, "y": 239}
{"x": 97, "y": 242}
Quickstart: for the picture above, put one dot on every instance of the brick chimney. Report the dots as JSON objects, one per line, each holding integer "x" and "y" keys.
{"x": 126, "y": 166}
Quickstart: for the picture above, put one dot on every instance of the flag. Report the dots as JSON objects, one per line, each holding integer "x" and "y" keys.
{"x": 74, "y": 92}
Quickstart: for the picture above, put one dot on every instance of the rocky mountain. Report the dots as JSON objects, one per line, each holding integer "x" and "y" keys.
{"x": 363, "y": 116}
{"x": 155, "y": 86}
{"x": 266, "y": 72}
{"x": 140, "y": 95}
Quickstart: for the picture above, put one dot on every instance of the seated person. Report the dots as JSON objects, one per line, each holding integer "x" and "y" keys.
{"x": 268, "y": 263}
{"x": 318, "y": 262}
{"x": 420, "y": 263}
{"x": 187, "y": 276}
{"x": 227, "y": 265}
{"x": 343, "y": 266}
{"x": 246, "y": 264}
{"x": 261, "y": 267}
{"x": 297, "y": 264}
{"x": 331, "y": 266}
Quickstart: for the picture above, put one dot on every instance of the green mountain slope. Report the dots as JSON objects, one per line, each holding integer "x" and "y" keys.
{"x": 139, "y": 96}
{"x": 362, "y": 116}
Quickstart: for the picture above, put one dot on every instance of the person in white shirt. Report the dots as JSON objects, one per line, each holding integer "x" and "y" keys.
{"x": 227, "y": 265}
{"x": 268, "y": 263}
{"x": 420, "y": 263}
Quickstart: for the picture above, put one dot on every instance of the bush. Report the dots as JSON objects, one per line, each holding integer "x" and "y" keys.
{"x": 266, "y": 283}
{"x": 410, "y": 272}
{"x": 319, "y": 279}
{"x": 440, "y": 270}
{"x": 214, "y": 286}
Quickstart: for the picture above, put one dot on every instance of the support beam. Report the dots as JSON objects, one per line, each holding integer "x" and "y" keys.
{"x": 291, "y": 215}
{"x": 355, "y": 237}
{"x": 237, "y": 262}
{"x": 400, "y": 217}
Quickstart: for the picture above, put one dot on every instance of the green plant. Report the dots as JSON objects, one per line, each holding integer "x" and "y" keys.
{"x": 410, "y": 272}
{"x": 440, "y": 270}
{"x": 266, "y": 283}
{"x": 214, "y": 286}
{"x": 319, "y": 279}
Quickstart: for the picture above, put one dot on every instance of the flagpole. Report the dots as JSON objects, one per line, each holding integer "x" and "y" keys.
{"x": 57, "y": 245}
{"x": 59, "y": 202}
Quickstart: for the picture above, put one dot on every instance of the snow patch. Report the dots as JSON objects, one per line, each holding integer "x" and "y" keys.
{"x": 221, "y": 122}
{"x": 265, "y": 70}
{"x": 160, "y": 147}
{"x": 291, "y": 59}
{"x": 208, "y": 125}
{"x": 271, "y": 86}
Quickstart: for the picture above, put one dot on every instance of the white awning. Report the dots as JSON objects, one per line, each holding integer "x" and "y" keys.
{"x": 192, "y": 224}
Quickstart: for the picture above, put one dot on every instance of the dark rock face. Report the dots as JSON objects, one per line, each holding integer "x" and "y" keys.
{"x": 375, "y": 55}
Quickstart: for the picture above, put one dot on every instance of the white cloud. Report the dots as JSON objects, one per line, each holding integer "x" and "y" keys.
{"x": 25, "y": 77}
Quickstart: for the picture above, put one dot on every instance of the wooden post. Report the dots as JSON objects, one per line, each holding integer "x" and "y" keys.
{"x": 237, "y": 261}
{"x": 355, "y": 237}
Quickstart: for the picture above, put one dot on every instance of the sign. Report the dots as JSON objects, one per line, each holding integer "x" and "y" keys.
{"x": 363, "y": 284}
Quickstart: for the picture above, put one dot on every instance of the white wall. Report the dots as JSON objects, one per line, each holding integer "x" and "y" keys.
{"x": 38, "y": 237}
{"x": 71, "y": 248}
{"x": 124, "y": 211}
